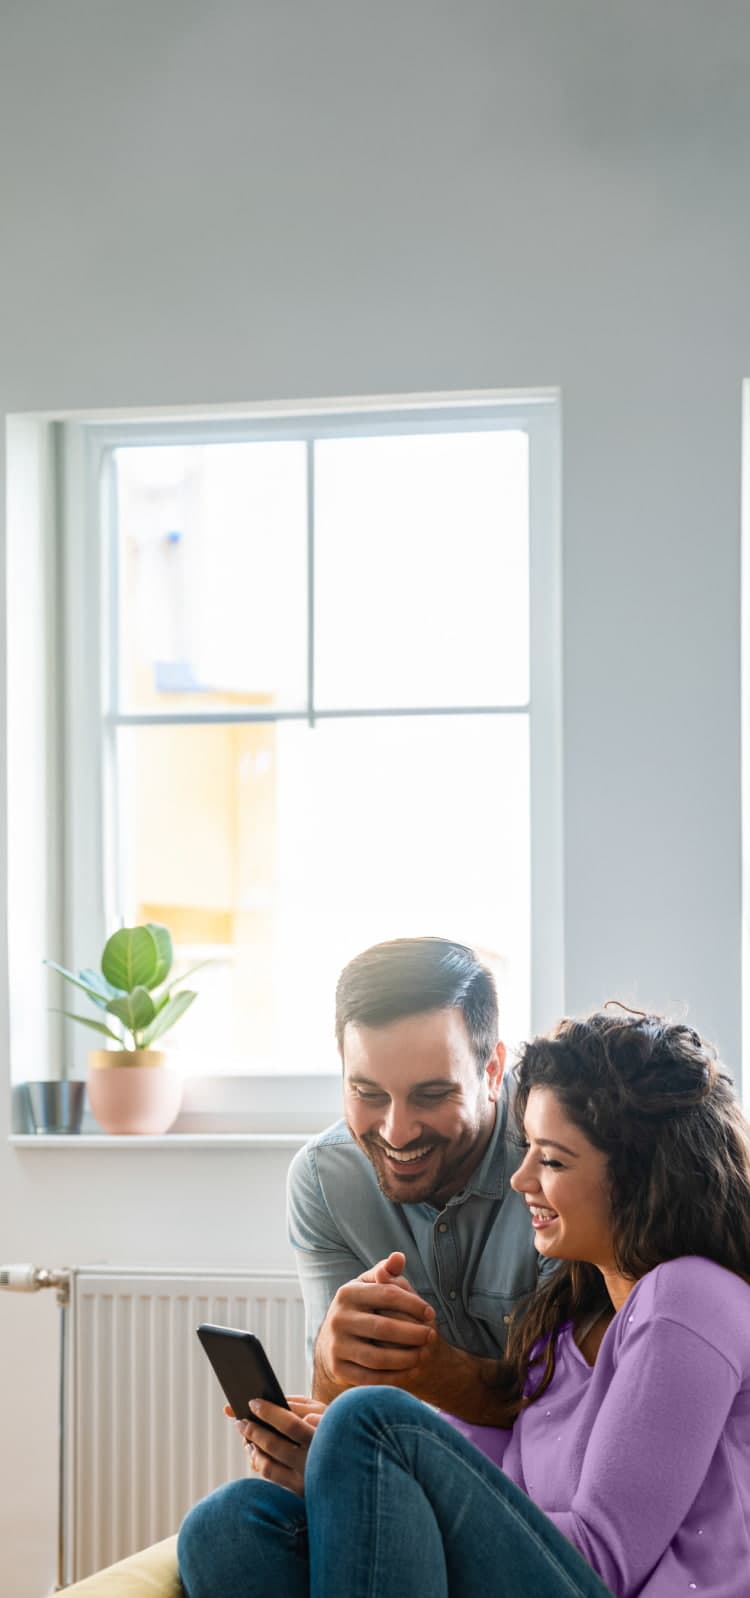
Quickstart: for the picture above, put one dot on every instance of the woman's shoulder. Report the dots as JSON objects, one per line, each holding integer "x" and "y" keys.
{"x": 698, "y": 1294}
{"x": 680, "y": 1279}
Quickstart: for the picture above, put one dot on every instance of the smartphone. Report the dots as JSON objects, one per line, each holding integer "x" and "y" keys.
{"x": 243, "y": 1369}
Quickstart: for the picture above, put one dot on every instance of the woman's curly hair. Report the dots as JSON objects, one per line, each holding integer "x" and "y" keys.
{"x": 653, "y": 1097}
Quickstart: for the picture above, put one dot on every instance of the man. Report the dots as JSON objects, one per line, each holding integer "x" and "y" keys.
{"x": 416, "y": 1177}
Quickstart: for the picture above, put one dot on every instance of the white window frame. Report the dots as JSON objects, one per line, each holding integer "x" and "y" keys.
{"x": 86, "y": 477}
{"x": 745, "y": 742}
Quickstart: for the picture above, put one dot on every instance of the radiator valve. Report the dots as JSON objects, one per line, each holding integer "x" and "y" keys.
{"x": 30, "y": 1278}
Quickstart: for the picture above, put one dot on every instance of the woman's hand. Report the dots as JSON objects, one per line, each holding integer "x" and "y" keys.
{"x": 281, "y": 1459}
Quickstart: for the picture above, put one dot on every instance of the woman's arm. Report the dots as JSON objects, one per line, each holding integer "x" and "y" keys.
{"x": 649, "y": 1451}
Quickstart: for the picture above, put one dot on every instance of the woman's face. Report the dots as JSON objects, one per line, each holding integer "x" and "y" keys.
{"x": 563, "y": 1179}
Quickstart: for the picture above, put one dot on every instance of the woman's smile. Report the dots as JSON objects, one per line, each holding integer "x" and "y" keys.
{"x": 540, "y": 1216}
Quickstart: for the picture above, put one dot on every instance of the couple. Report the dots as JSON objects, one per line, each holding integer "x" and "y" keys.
{"x": 618, "y": 1460}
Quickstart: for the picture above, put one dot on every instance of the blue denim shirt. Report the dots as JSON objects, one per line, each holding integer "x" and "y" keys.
{"x": 473, "y": 1260}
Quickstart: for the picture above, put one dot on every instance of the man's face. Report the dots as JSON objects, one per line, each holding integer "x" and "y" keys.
{"x": 416, "y": 1104}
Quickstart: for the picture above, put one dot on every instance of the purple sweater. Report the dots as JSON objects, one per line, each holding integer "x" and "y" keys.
{"x": 643, "y": 1460}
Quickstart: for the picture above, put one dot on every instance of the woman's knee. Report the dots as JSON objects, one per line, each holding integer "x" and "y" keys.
{"x": 370, "y": 1406}
{"x": 222, "y": 1534}
{"x": 360, "y": 1414}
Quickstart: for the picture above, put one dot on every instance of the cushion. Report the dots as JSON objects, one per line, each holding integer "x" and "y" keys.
{"x": 149, "y": 1574}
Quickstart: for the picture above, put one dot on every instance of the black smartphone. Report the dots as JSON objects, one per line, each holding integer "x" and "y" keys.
{"x": 243, "y": 1369}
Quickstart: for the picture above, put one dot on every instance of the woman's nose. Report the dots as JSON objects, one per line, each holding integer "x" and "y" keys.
{"x": 523, "y": 1180}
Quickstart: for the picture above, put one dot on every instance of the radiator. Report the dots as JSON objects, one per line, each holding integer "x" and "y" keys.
{"x": 146, "y": 1435}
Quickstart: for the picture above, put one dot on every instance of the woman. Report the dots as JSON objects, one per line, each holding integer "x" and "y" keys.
{"x": 627, "y": 1467}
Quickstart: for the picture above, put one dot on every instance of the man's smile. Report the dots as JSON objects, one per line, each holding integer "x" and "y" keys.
{"x": 402, "y": 1159}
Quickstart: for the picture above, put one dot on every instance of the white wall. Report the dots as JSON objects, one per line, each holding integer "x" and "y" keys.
{"x": 234, "y": 201}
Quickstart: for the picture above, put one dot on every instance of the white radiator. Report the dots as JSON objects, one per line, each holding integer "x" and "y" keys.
{"x": 146, "y": 1435}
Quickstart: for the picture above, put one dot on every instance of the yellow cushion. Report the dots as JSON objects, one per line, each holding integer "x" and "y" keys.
{"x": 150, "y": 1574}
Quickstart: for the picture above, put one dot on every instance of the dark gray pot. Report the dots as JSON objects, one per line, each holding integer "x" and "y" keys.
{"x": 56, "y": 1106}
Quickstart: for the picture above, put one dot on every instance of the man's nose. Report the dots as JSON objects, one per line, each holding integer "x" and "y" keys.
{"x": 400, "y": 1126}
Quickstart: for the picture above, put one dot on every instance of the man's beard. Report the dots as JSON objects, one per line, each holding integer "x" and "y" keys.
{"x": 388, "y": 1181}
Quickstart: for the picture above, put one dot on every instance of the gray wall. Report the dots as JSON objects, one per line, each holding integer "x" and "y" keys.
{"x": 236, "y": 201}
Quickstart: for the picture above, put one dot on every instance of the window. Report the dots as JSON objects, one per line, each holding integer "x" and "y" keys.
{"x": 312, "y": 675}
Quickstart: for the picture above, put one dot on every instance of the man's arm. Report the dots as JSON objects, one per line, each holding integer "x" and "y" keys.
{"x": 369, "y": 1328}
{"x": 324, "y": 1259}
{"x": 349, "y": 1316}
{"x": 469, "y": 1386}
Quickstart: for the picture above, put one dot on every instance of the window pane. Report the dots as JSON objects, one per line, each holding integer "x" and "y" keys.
{"x": 212, "y": 563}
{"x": 421, "y": 570}
{"x": 281, "y": 851}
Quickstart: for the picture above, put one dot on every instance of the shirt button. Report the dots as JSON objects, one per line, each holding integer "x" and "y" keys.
{"x": 453, "y": 1293}
{"x": 443, "y": 1227}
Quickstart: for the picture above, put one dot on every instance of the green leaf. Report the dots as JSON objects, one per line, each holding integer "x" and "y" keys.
{"x": 97, "y": 1026}
{"x": 160, "y": 999}
{"x": 135, "y": 1010}
{"x": 131, "y": 959}
{"x": 166, "y": 1017}
{"x": 82, "y": 982}
{"x": 163, "y": 941}
{"x": 100, "y": 983}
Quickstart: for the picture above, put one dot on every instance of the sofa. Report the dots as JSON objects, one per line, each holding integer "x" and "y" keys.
{"x": 149, "y": 1574}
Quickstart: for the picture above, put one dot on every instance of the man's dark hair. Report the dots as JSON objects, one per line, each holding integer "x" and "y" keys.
{"x": 411, "y": 976}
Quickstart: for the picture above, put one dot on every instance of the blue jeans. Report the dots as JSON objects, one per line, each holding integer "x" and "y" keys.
{"x": 397, "y": 1504}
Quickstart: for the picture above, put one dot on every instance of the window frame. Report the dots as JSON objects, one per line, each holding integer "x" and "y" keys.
{"x": 86, "y": 480}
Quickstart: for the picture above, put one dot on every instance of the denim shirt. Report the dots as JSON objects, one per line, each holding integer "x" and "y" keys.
{"x": 473, "y": 1260}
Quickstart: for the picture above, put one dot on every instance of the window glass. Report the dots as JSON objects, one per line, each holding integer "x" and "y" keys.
{"x": 277, "y": 848}
{"x": 421, "y": 570}
{"x": 211, "y": 570}
{"x": 279, "y": 851}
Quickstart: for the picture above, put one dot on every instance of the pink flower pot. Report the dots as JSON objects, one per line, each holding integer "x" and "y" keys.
{"x": 142, "y": 1096}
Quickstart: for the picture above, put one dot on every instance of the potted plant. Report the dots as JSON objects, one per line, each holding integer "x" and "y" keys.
{"x": 132, "y": 1087}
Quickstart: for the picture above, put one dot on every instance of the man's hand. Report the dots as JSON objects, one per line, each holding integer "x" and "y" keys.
{"x": 389, "y": 1273}
{"x": 281, "y": 1459}
{"x": 377, "y": 1332}
{"x": 371, "y": 1338}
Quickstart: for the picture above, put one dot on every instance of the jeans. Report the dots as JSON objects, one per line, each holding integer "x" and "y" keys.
{"x": 397, "y": 1505}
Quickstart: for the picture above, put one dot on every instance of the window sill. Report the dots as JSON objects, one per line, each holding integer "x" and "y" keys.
{"x": 251, "y": 1110}
{"x": 170, "y": 1140}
